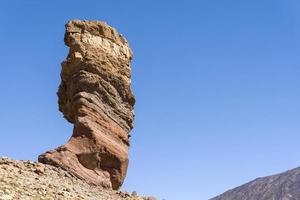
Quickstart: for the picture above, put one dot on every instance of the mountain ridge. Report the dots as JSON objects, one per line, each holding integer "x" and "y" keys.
{"x": 281, "y": 186}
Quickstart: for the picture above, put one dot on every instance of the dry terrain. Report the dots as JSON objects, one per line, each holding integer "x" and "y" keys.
{"x": 27, "y": 180}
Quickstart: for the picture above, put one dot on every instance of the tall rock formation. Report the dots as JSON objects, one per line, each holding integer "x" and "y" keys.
{"x": 95, "y": 95}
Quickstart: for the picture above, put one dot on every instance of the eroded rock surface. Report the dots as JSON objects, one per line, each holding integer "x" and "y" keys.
{"x": 95, "y": 95}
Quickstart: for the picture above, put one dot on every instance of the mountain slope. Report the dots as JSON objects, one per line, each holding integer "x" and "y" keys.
{"x": 284, "y": 186}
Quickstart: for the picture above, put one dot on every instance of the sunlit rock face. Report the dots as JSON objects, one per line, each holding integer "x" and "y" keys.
{"x": 95, "y": 95}
{"x": 284, "y": 186}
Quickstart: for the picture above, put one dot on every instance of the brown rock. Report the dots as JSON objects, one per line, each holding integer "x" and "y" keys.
{"x": 95, "y": 95}
{"x": 151, "y": 198}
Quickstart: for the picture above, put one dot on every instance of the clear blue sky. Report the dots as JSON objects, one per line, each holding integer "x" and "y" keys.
{"x": 216, "y": 82}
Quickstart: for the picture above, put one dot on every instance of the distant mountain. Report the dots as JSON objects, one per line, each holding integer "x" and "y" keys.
{"x": 284, "y": 186}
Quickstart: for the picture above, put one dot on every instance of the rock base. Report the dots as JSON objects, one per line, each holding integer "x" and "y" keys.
{"x": 27, "y": 180}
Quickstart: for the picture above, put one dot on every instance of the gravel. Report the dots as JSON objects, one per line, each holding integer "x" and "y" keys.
{"x": 28, "y": 180}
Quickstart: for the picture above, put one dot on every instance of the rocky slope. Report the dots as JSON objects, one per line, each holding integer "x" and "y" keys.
{"x": 27, "y": 180}
{"x": 95, "y": 95}
{"x": 284, "y": 186}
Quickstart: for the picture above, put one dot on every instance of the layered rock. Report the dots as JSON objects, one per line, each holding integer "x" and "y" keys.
{"x": 95, "y": 95}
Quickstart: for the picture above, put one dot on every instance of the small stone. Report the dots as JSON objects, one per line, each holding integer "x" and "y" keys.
{"x": 6, "y": 191}
{"x": 134, "y": 193}
{"x": 39, "y": 171}
{"x": 151, "y": 198}
{"x": 61, "y": 193}
{"x": 29, "y": 162}
{"x": 126, "y": 194}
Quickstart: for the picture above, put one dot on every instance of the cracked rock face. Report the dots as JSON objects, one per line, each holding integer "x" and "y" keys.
{"x": 95, "y": 95}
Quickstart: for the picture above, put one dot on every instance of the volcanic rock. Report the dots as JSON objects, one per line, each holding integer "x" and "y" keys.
{"x": 19, "y": 181}
{"x": 284, "y": 186}
{"x": 95, "y": 95}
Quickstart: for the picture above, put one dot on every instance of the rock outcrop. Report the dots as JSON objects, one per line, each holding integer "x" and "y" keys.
{"x": 27, "y": 180}
{"x": 95, "y": 95}
{"x": 284, "y": 186}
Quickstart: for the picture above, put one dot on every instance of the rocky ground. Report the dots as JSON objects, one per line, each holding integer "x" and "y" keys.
{"x": 29, "y": 180}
